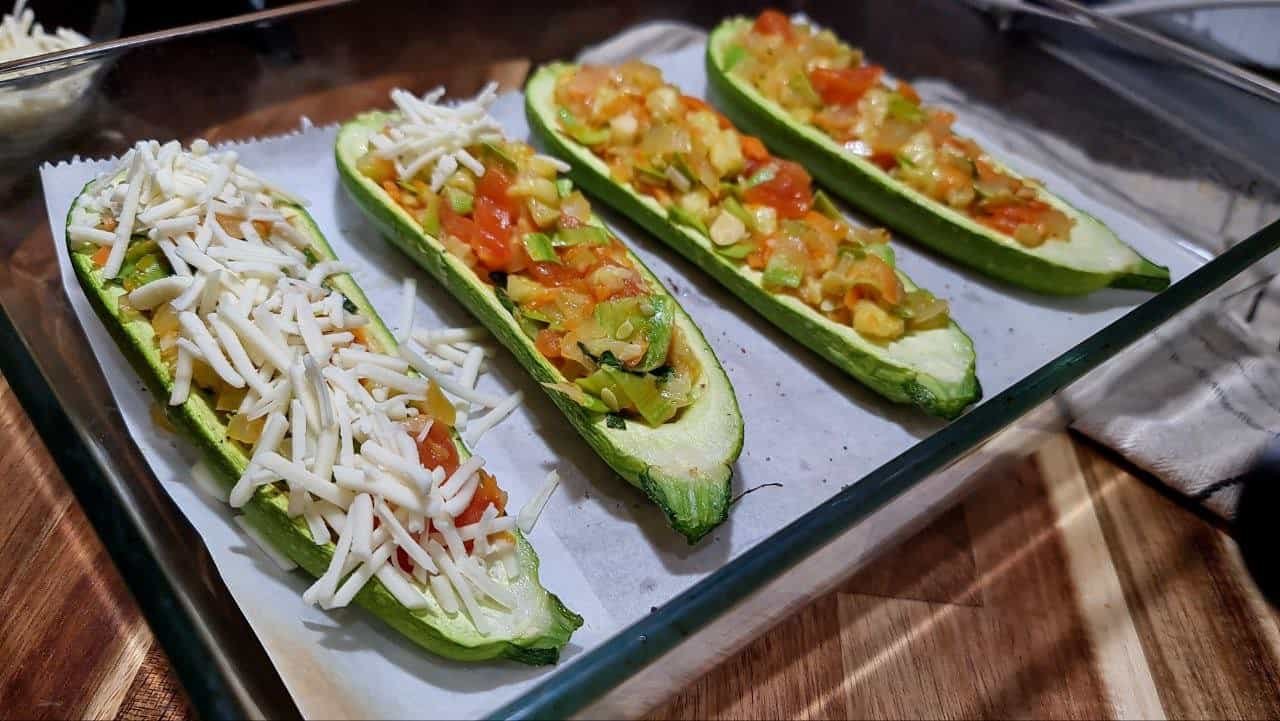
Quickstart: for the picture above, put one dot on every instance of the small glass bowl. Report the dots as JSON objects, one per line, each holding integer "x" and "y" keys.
{"x": 40, "y": 104}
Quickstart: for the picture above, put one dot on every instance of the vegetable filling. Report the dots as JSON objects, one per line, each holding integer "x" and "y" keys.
{"x": 822, "y": 81}
{"x": 755, "y": 209}
{"x": 569, "y": 283}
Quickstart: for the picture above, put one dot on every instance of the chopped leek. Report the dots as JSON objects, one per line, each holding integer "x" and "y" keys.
{"x": 583, "y": 234}
{"x": 579, "y": 132}
{"x": 682, "y": 216}
{"x": 460, "y": 201}
{"x": 539, "y": 248}
{"x": 823, "y": 204}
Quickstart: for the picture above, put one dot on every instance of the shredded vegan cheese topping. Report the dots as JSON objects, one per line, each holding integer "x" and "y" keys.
{"x": 22, "y": 37}
{"x": 329, "y": 419}
{"x": 438, "y": 133}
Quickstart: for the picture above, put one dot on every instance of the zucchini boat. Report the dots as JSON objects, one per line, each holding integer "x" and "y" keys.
{"x": 230, "y": 304}
{"x": 679, "y": 169}
{"x": 518, "y": 245}
{"x": 812, "y": 98}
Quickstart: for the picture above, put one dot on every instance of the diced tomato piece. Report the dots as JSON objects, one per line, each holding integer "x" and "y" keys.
{"x": 886, "y": 281}
{"x": 1006, "y": 217}
{"x": 788, "y": 191}
{"x": 487, "y": 232}
{"x": 403, "y": 560}
{"x": 694, "y": 104}
{"x": 459, "y": 226}
{"x": 494, "y": 185}
{"x": 493, "y": 219}
{"x": 847, "y": 86}
{"x": 548, "y": 343}
{"x": 376, "y": 167}
{"x": 908, "y": 91}
{"x": 753, "y": 149}
{"x": 100, "y": 256}
{"x": 553, "y": 274}
{"x": 940, "y": 124}
{"x": 437, "y": 449}
{"x": 886, "y": 161}
{"x": 487, "y": 494}
{"x": 773, "y": 22}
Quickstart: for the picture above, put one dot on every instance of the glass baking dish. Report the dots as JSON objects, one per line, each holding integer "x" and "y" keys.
{"x": 327, "y": 66}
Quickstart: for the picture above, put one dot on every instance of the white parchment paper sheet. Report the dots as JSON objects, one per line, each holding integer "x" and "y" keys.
{"x": 604, "y": 549}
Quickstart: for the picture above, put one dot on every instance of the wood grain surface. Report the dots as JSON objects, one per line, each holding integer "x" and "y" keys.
{"x": 1067, "y": 589}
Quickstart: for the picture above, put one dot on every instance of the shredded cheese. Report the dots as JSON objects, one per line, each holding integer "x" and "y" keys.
{"x": 493, "y": 418}
{"x": 532, "y": 509}
{"x": 408, "y": 298}
{"x": 332, "y": 414}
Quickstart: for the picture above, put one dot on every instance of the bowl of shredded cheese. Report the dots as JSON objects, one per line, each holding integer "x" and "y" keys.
{"x": 38, "y": 104}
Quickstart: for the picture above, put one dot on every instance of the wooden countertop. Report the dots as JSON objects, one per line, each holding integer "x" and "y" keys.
{"x": 1067, "y": 589}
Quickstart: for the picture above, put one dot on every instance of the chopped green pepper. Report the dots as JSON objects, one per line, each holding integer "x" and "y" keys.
{"x": 684, "y": 217}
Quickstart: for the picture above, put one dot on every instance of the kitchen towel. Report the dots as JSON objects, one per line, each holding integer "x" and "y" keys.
{"x": 1197, "y": 400}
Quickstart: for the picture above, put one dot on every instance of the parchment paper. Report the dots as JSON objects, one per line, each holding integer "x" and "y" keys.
{"x": 604, "y": 549}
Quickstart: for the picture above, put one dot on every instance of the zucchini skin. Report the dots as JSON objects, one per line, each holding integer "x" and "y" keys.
{"x": 694, "y": 503}
{"x": 897, "y": 383}
{"x": 887, "y": 202}
{"x": 267, "y": 509}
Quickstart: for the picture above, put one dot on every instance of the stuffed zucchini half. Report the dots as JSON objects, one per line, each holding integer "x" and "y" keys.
{"x": 813, "y": 98}
{"x": 230, "y": 304}
{"x": 518, "y": 245}
{"x": 680, "y": 170}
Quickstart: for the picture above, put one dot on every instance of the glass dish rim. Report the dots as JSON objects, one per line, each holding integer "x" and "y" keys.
{"x": 606, "y": 666}
{"x": 598, "y": 671}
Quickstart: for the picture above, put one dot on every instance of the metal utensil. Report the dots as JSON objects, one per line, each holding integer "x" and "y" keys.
{"x": 1161, "y": 45}
{"x": 1134, "y": 8}
{"x": 93, "y": 50}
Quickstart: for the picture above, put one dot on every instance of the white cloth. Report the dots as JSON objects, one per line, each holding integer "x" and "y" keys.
{"x": 1197, "y": 400}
